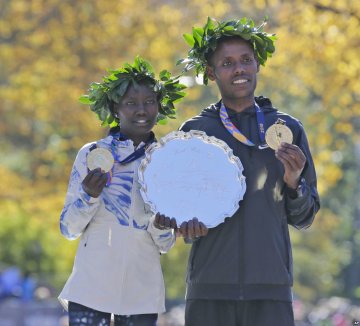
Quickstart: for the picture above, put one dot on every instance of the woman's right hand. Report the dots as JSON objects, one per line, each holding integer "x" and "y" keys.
{"x": 94, "y": 182}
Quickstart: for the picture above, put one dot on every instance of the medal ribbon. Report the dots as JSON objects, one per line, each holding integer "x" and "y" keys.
{"x": 133, "y": 156}
{"x": 236, "y": 133}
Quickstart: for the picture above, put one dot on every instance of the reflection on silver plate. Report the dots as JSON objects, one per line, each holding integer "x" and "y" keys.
{"x": 189, "y": 174}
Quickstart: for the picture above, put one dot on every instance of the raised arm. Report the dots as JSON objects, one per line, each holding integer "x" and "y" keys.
{"x": 80, "y": 207}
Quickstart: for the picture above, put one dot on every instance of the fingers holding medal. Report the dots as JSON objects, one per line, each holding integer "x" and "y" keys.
{"x": 94, "y": 183}
{"x": 279, "y": 137}
{"x": 99, "y": 162}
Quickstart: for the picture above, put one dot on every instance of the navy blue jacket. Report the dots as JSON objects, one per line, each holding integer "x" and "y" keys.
{"x": 249, "y": 255}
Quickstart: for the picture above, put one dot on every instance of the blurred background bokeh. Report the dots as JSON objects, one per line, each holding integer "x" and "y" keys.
{"x": 50, "y": 50}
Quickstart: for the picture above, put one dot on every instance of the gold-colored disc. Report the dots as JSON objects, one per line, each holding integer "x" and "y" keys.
{"x": 100, "y": 158}
{"x": 277, "y": 134}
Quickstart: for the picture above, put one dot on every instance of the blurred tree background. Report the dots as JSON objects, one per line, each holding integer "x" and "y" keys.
{"x": 50, "y": 50}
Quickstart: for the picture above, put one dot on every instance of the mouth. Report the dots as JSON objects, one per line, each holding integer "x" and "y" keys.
{"x": 141, "y": 122}
{"x": 241, "y": 81}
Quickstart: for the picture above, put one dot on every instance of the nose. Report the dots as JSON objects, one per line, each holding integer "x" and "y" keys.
{"x": 140, "y": 109}
{"x": 239, "y": 68}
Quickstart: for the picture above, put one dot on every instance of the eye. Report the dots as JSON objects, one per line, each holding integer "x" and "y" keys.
{"x": 150, "y": 101}
{"x": 130, "y": 103}
{"x": 247, "y": 60}
{"x": 226, "y": 63}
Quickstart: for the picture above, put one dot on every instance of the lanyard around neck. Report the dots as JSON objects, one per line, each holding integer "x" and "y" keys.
{"x": 236, "y": 133}
{"x": 133, "y": 156}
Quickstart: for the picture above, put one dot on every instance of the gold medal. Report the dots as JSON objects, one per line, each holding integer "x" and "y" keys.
{"x": 278, "y": 133}
{"x": 100, "y": 158}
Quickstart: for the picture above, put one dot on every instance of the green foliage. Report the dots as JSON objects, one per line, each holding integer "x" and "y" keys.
{"x": 203, "y": 41}
{"x": 101, "y": 96}
{"x": 50, "y": 52}
{"x": 31, "y": 243}
{"x": 174, "y": 265}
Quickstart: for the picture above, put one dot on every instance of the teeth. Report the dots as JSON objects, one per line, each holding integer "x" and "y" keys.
{"x": 141, "y": 121}
{"x": 240, "y": 81}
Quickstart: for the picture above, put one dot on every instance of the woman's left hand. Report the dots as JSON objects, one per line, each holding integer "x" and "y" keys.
{"x": 163, "y": 222}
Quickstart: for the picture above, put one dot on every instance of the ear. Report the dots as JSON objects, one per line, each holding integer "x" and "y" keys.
{"x": 210, "y": 72}
{"x": 257, "y": 64}
{"x": 114, "y": 110}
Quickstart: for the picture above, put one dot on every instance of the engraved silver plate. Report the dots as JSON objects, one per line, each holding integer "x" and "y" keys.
{"x": 189, "y": 174}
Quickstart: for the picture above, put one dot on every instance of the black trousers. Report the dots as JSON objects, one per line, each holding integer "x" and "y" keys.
{"x": 80, "y": 315}
{"x": 238, "y": 313}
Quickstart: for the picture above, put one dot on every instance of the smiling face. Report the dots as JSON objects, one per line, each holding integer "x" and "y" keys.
{"x": 234, "y": 67}
{"x": 137, "y": 112}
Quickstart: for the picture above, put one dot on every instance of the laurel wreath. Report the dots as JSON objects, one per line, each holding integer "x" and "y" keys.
{"x": 203, "y": 41}
{"x": 101, "y": 96}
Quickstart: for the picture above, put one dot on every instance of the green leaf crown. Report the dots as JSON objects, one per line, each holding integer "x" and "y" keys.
{"x": 203, "y": 41}
{"x": 101, "y": 96}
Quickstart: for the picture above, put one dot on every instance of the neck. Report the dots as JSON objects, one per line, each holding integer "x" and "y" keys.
{"x": 239, "y": 105}
{"x": 139, "y": 139}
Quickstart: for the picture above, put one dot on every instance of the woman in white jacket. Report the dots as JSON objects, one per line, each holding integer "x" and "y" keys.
{"x": 117, "y": 266}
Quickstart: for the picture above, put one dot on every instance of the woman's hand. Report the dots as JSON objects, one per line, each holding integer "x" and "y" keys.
{"x": 94, "y": 182}
{"x": 163, "y": 222}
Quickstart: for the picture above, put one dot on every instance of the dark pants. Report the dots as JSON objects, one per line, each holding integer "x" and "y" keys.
{"x": 80, "y": 315}
{"x": 238, "y": 313}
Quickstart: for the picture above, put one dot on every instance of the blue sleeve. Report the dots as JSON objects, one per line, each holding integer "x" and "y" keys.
{"x": 163, "y": 239}
{"x": 79, "y": 207}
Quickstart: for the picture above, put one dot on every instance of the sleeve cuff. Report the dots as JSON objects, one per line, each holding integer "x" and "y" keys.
{"x": 296, "y": 205}
{"x": 299, "y": 191}
{"x": 87, "y": 198}
{"x": 155, "y": 231}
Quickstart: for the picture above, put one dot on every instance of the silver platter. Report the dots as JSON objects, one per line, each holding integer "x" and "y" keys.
{"x": 189, "y": 174}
